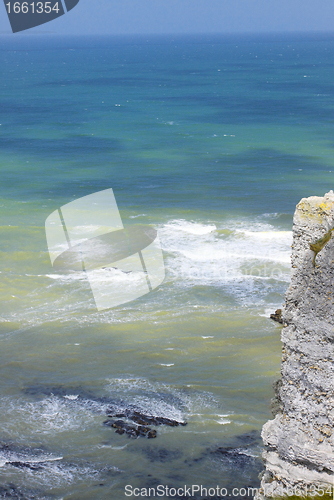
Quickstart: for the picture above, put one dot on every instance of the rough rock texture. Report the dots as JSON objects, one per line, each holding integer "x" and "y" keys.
{"x": 299, "y": 442}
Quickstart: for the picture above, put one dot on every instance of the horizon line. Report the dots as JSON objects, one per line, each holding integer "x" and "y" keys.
{"x": 230, "y": 33}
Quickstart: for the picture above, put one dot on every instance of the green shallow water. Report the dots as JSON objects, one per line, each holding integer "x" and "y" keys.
{"x": 220, "y": 385}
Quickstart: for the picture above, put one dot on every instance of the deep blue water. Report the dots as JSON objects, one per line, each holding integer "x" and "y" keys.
{"x": 242, "y": 125}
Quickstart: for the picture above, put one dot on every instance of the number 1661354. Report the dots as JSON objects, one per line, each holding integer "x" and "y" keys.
{"x": 32, "y": 8}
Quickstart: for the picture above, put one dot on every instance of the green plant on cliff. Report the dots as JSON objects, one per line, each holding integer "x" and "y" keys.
{"x": 318, "y": 245}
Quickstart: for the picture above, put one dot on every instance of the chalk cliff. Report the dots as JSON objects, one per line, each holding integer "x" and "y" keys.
{"x": 299, "y": 442}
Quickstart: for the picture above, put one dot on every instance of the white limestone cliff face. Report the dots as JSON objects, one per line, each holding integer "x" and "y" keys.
{"x": 299, "y": 442}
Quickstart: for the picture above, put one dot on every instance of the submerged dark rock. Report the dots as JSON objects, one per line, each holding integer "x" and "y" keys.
{"x": 82, "y": 395}
{"x": 26, "y": 465}
{"x": 137, "y": 423}
{"x": 147, "y": 420}
{"x": 11, "y": 491}
{"x": 162, "y": 454}
{"x": 131, "y": 430}
{"x": 250, "y": 438}
{"x": 24, "y": 458}
{"x": 142, "y": 419}
{"x": 237, "y": 452}
{"x": 241, "y": 454}
{"x": 234, "y": 456}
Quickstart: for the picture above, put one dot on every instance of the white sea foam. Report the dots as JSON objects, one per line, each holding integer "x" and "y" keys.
{"x": 267, "y": 312}
{"x": 50, "y": 472}
{"x": 190, "y": 227}
{"x": 160, "y": 399}
{"x": 268, "y": 235}
{"x": 79, "y": 276}
{"x": 246, "y": 258}
{"x": 8, "y": 456}
{"x": 223, "y": 421}
{"x": 50, "y": 416}
{"x": 239, "y": 255}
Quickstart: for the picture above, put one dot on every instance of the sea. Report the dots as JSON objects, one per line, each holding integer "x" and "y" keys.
{"x": 211, "y": 140}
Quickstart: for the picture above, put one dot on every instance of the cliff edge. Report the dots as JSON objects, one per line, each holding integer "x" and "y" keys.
{"x": 299, "y": 442}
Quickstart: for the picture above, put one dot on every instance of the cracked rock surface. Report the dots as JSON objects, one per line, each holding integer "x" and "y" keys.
{"x": 299, "y": 442}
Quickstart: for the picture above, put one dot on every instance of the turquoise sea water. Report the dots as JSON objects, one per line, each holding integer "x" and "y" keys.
{"x": 211, "y": 140}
